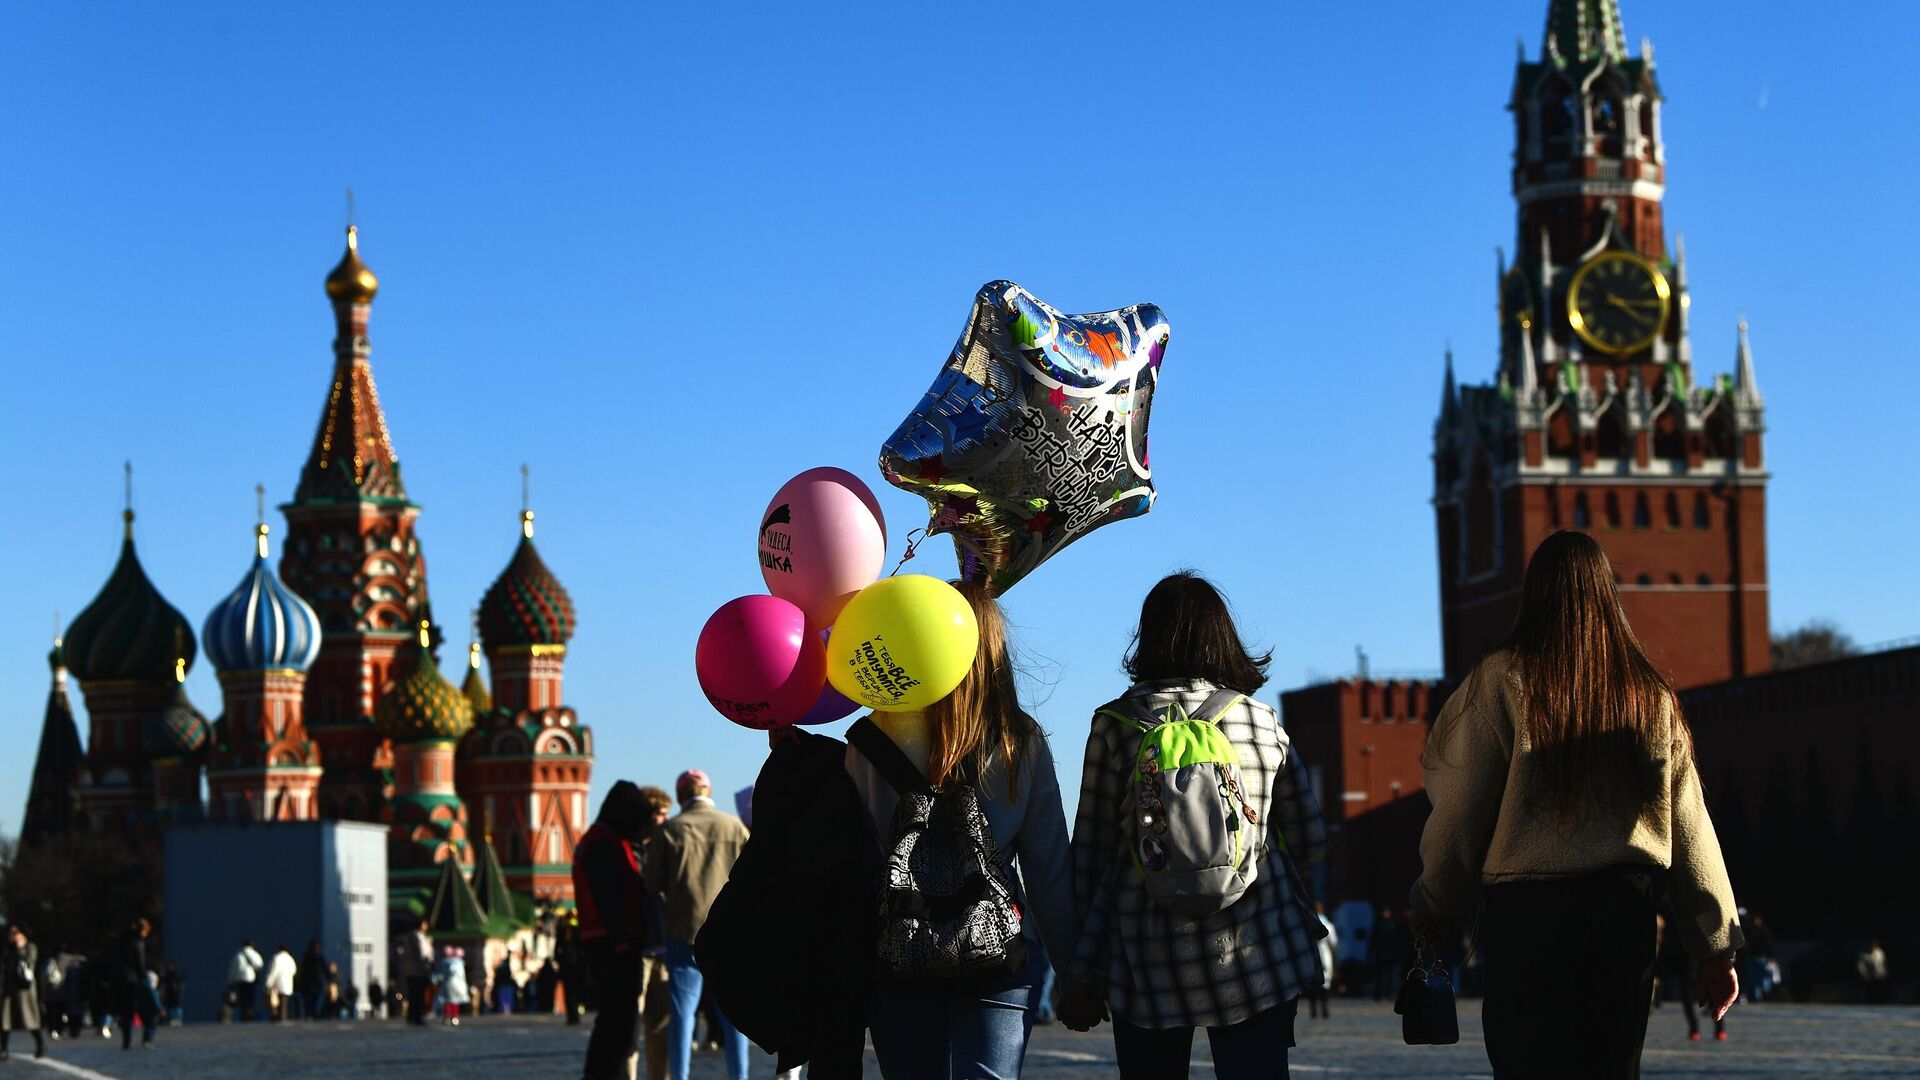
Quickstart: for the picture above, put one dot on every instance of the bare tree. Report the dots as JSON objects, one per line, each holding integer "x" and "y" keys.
{"x": 1816, "y": 642}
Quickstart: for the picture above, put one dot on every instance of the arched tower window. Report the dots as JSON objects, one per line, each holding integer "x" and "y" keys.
{"x": 1613, "y": 509}
{"x": 1582, "y": 515}
{"x": 1642, "y": 514}
{"x": 1701, "y": 519}
{"x": 1673, "y": 510}
{"x": 1559, "y": 110}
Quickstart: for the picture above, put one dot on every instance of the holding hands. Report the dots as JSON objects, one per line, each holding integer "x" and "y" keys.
{"x": 1078, "y": 1005}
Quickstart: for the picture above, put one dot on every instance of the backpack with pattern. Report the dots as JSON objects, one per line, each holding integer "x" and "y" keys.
{"x": 949, "y": 924}
{"x": 1192, "y": 834}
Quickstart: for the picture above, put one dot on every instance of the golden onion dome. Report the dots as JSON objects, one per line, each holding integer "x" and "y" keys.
{"x": 421, "y": 705}
{"x": 351, "y": 281}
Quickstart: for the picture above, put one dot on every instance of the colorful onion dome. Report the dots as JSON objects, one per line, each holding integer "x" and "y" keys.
{"x": 176, "y": 731}
{"x": 526, "y": 604}
{"x": 129, "y": 631}
{"x": 261, "y": 624}
{"x": 421, "y": 705}
{"x": 351, "y": 282}
{"x": 474, "y": 689}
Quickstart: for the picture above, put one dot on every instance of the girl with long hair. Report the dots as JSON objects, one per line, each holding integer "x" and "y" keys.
{"x": 1158, "y": 968}
{"x": 978, "y": 736}
{"x": 1565, "y": 800}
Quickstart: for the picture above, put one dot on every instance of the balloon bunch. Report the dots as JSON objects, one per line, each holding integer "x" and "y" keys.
{"x": 832, "y": 636}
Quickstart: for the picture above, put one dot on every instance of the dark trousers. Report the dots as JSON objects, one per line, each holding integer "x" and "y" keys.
{"x": 149, "y": 1018}
{"x": 416, "y": 999}
{"x": 616, "y": 991}
{"x": 39, "y": 1041}
{"x": 1569, "y": 972}
{"x": 1253, "y": 1049}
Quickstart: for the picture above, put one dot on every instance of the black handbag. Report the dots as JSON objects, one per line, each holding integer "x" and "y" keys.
{"x": 1425, "y": 1004}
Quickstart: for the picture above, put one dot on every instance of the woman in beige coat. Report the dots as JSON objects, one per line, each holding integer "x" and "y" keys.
{"x": 1565, "y": 801}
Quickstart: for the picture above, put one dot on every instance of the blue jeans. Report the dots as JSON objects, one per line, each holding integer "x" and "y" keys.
{"x": 983, "y": 1038}
{"x": 683, "y": 983}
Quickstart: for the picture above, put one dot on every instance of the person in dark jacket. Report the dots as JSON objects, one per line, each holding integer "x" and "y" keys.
{"x": 788, "y": 945}
{"x": 172, "y": 985}
{"x": 137, "y": 996}
{"x": 615, "y": 924}
{"x": 19, "y": 997}
{"x": 313, "y": 979}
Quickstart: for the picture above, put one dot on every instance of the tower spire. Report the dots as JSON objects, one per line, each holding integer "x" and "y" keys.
{"x": 1743, "y": 380}
{"x": 126, "y": 515}
{"x": 1448, "y": 393}
{"x": 1583, "y": 31}
{"x": 526, "y": 502}
{"x": 1529, "y": 377}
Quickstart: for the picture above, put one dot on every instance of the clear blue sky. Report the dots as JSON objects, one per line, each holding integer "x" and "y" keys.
{"x": 672, "y": 254}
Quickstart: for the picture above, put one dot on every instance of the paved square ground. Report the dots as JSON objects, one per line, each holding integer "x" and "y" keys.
{"x": 1362, "y": 1040}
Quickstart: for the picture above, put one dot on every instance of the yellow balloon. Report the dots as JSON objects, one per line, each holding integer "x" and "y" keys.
{"x": 902, "y": 643}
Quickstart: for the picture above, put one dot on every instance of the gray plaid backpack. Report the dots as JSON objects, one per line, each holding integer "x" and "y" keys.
{"x": 1193, "y": 836}
{"x": 948, "y": 920}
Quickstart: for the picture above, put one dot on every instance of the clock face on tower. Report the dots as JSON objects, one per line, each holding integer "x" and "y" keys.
{"x": 1618, "y": 303}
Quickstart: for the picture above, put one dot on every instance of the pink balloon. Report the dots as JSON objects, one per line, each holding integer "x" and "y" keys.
{"x": 758, "y": 662}
{"x": 822, "y": 539}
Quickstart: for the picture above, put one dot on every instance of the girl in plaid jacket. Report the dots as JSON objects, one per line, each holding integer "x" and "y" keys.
{"x": 1239, "y": 972}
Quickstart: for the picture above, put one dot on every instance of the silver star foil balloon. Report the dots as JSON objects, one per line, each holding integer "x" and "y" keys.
{"x": 1034, "y": 433}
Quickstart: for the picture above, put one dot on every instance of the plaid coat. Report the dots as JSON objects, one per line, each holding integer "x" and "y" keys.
{"x": 1163, "y": 970}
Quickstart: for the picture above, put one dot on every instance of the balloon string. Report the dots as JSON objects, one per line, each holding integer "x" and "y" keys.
{"x": 913, "y": 545}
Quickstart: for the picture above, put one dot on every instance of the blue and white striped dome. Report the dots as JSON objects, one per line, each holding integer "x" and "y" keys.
{"x": 261, "y": 624}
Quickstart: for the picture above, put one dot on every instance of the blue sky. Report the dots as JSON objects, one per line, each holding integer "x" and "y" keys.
{"x": 671, "y": 255}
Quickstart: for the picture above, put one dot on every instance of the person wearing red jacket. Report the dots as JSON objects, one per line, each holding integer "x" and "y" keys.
{"x": 616, "y": 924}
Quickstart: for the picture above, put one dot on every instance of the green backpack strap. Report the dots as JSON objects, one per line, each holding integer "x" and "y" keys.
{"x": 1130, "y": 711}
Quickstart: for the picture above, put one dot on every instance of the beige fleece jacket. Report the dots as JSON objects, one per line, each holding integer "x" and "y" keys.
{"x": 1480, "y": 778}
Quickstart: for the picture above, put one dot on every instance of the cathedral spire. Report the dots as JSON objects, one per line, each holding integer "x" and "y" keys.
{"x": 53, "y": 800}
{"x": 1449, "y": 396}
{"x": 352, "y": 457}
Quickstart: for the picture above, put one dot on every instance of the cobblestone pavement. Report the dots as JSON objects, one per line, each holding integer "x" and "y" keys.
{"x": 1362, "y": 1040}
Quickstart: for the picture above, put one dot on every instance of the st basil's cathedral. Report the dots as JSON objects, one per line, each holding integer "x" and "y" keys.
{"x": 333, "y": 704}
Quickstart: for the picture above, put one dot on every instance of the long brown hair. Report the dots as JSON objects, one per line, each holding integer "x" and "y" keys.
{"x": 1592, "y": 701}
{"x": 981, "y": 720}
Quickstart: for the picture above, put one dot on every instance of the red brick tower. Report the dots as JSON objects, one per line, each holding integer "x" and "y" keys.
{"x": 353, "y": 555}
{"x": 527, "y": 764}
{"x": 1596, "y": 420}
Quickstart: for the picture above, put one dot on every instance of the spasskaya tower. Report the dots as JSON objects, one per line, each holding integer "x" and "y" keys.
{"x": 1595, "y": 418}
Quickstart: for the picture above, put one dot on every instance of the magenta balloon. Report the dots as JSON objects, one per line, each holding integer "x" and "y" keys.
{"x": 822, "y": 539}
{"x": 758, "y": 662}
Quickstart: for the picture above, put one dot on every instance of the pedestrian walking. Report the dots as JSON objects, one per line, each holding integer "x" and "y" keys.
{"x": 656, "y": 994}
{"x": 53, "y": 994}
{"x": 313, "y": 979}
{"x": 1388, "y": 956}
{"x": 376, "y": 997}
{"x": 802, "y": 995}
{"x": 416, "y": 964}
{"x": 1563, "y": 786}
{"x": 1757, "y": 956}
{"x": 450, "y": 984}
{"x": 173, "y": 985}
{"x": 243, "y": 979}
{"x": 19, "y": 994}
{"x": 1187, "y": 771}
{"x": 1871, "y": 965}
{"x": 687, "y": 862}
{"x": 282, "y": 974}
{"x": 73, "y": 994}
{"x": 976, "y": 760}
{"x": 617, "y": 924}
{"x": 139, "y": 998}
{"x": 1319, "y": 994}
